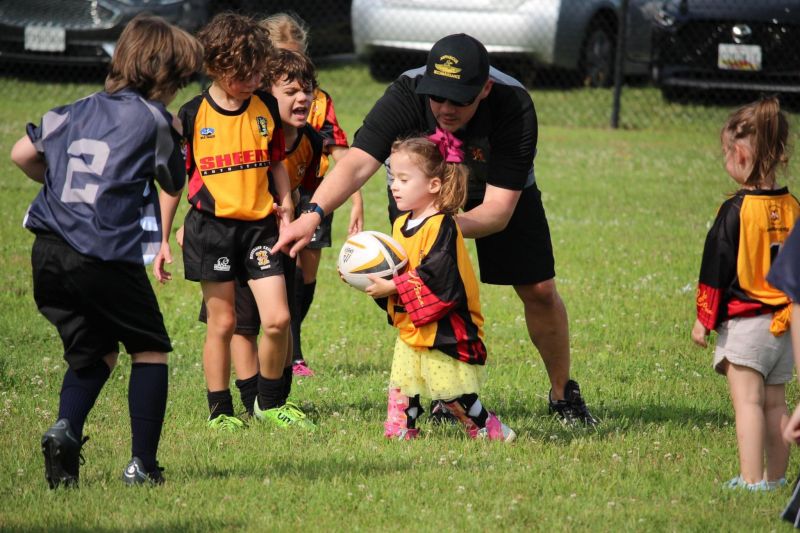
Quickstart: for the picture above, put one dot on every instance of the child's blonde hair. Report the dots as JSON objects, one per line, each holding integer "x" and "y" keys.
{"x": 154, "y": 58}
{"x": 235, "y": 47}
{"x": 766, "y": 127}
{"x": 453, "y": 192}
{"x": 284, "y": 28}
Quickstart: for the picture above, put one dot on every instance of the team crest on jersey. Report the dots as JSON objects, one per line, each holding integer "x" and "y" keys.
{"x": 261, "y": 255}
{"x": 261, "y": 122}
{"x": 477, "y": 154}
{"x": 207, "y": 133}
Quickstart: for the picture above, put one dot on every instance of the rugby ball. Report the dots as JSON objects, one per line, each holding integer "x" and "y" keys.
{"x": 370, "y": 253}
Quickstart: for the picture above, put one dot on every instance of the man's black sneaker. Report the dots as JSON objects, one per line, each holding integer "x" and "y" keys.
{"x": 135, "y": 474}
{"x": 62, "y": 455}
{"x": 572, "y": 409}
{"x": 440, "y": 414}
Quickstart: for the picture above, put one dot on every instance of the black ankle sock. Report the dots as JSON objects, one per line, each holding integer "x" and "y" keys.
{"x": 219, "y": 403}
{"x": 79, "y": 391}
{"x": 467, "y": 401}
{"x": 248, "y": 390}
{"x": 270, "y": 392}
{"x": 287, "y": 384}
{"x": 147, "y": 403}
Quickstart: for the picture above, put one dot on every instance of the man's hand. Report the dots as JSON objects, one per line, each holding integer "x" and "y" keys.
{"x": 700, "y": 334}
{"x": 164, "y": 256}
{"x": 380, "y": 287}
{"x": 298, "y": 232}
{"x": 356, "y": 214}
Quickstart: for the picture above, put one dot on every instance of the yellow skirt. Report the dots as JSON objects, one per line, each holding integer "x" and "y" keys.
{"x": 433, "y": 374}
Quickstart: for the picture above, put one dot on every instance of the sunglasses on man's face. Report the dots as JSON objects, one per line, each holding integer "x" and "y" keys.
{"x": 441, "y": 100}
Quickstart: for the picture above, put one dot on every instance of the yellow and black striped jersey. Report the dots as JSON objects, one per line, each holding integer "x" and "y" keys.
{"x": 303, "y": 159}
{"x": 746, "y": 236}
{"x": 322, "y": 117}
{"x": 229, "y": 154}
{"x": 437, "y": 304}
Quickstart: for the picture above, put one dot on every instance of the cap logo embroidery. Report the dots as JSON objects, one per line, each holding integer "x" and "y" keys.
{"x": 447, "y": 67}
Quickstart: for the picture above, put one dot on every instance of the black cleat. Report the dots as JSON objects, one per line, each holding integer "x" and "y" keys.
{"x": 62, "y": 455}
{"x": 572, "y": 409}
{"x": 135, "y": 474}
{"x": 440, "y": 414}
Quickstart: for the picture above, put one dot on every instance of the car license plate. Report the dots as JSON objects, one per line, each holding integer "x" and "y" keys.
{"x": 45, "y": 39}
{"x": 739, "y": 57}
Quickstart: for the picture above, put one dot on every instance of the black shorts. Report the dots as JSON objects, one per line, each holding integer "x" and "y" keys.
{"x": 94, "y": 304}
{"x": 522, "y": 253}
{"x": 224, "y": 249}
{"x": 248, "y": 321}
{"x": 322, "y": 235}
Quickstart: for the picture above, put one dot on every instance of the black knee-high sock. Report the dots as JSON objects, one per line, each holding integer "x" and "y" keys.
{"x": 305, "y": 298}
{"x": 147, "y": 403}
{"x": 219, "y": 403}
{"x": 297, "y": 319}
{"x": 248, "y": 390}
{"x": 287, "y": 384}
{"x": 474, "y": 409}
{"x": 270, "y": 392}
{"x": 79, "y": 391}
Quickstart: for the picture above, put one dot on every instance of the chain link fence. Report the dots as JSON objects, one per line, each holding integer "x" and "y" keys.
{"x": 595, "y": 63}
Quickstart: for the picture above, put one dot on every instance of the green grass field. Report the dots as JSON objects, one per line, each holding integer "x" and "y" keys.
{"x": 628, "y": 212}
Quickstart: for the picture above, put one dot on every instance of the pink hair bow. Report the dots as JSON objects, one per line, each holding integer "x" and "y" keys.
{"x": 449, "y": 145}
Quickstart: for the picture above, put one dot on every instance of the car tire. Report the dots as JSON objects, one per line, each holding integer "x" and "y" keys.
{"x": 675, "y": 95}
{"x": 597, "y": 55}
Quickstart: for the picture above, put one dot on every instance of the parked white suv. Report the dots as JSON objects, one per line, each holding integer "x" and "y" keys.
{"x": 575, "y": 35}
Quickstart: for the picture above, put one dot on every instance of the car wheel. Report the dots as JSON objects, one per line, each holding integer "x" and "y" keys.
{"x": 597, "y": 56}
{"x": 673, "y": 94}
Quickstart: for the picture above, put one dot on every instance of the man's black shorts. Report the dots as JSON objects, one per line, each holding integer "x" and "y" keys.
{"x": 522, "y": 253}
{"x": 95, "y": 304}
{"x": 224, "y": 249}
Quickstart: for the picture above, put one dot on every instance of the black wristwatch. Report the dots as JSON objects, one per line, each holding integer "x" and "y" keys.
{"x": 313, "y": 208}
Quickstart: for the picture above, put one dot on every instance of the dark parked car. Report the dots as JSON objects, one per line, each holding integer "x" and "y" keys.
{"x": 746, "y": 45}
{"x": 80, "y": 32}
{"x": 84, "y": 32}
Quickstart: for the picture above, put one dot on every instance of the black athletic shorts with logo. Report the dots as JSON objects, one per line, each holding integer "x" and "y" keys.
{"x": 248, "y": 321}
{"x": 94, "y": 304}
{"x": 227, "y": 249}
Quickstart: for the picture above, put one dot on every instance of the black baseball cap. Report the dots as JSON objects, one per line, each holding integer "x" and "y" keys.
{"x": 457, "y": 68}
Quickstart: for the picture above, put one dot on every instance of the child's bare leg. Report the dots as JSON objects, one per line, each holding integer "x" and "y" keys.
{"x": 218, "y": 297}
{"x": 795, "y": 332}
{"x": 273, "y": 308}
{"x": 747, "y": 393}
{"x": 777, "y": 415}
{"x": 309, "y": 263}
{"x": 244, "y": 354}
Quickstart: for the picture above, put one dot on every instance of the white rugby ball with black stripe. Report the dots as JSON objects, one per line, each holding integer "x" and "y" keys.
{"x": 370, "y": 253}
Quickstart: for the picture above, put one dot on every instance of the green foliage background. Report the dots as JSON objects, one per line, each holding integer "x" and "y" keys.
{"x": 628, "y": 211}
